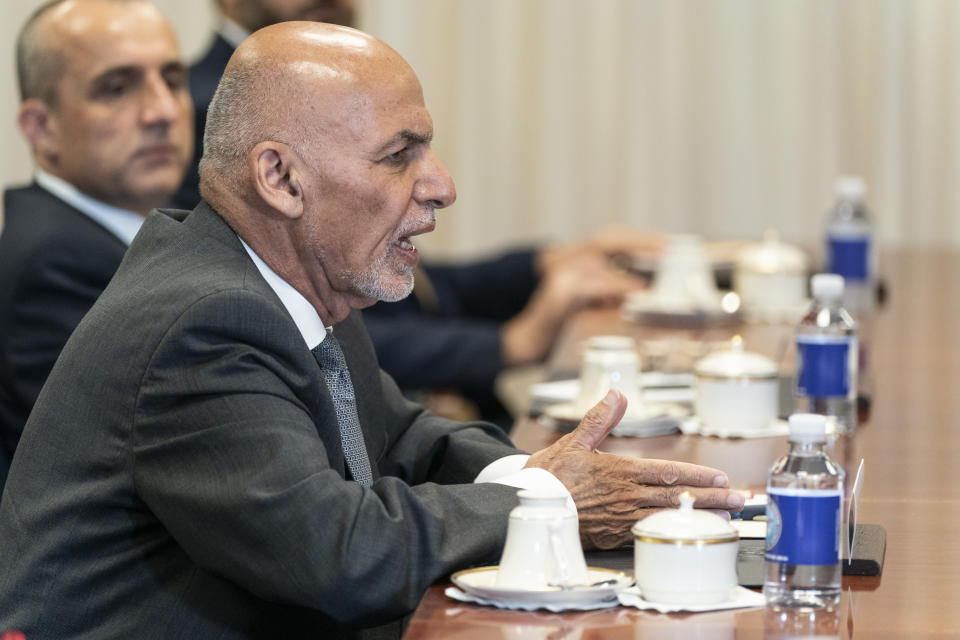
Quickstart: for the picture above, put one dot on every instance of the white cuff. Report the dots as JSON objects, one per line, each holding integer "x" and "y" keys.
{"x": 509, "y": 471}
{"x": 501, "y": 467}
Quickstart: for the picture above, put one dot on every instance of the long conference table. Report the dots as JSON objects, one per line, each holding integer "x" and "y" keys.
{"x": 911, "y": 446}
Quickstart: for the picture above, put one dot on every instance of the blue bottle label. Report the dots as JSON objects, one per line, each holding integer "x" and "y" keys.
{"x": 803, "y": 525}
{"x": 849, "y": 256}
{"x": 823, "y": 365}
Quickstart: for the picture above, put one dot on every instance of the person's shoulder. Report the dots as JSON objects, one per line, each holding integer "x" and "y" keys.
{"x": 32, "y": 200}
{"x": 180, "y": 257}
{"x": 38, "y": 224}
{"x": 205, "y": 73}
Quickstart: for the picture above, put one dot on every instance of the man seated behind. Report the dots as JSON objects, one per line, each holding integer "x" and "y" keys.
{"x": 209, "y": 460}
{"x": 105, "y": 110}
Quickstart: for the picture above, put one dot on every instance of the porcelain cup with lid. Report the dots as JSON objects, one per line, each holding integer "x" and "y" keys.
{"x": 737, "y": 390}
{"x": 685, "y": 555}
{"x": 609, "y": 362}
{"x": 542, "y": 549}
{"x": 771, "y": 278}
{"x": 684, "y": 280}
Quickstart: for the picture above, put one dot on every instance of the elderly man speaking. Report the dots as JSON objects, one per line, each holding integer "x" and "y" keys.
{"x": 216, "y": 454}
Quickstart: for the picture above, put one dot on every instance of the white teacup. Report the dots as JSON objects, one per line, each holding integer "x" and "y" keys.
{"x": 609, "y": 362}
{"x": 684, "y": 281}
{"x": 543, "y": 544}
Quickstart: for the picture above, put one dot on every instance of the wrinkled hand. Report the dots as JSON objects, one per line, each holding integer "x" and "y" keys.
{"x": 613, "y": 492}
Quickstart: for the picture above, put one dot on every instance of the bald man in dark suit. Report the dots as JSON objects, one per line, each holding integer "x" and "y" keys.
{"x": 216, "y": 453}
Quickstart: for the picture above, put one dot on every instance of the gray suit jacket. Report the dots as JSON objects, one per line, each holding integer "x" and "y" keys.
{"x": 181, "y": 475}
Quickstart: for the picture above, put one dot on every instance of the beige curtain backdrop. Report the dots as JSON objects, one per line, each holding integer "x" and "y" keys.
{"x": 721, "y": 117}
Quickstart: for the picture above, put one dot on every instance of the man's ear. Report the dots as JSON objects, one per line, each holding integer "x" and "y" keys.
{"x": 276, "y": 170}
{"x": 40, "y": 128}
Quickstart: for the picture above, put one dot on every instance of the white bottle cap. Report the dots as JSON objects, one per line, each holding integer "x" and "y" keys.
{"x": 827, "y": 286}
{"x": 808, "y": 427}
{"x": 850, "y": 188}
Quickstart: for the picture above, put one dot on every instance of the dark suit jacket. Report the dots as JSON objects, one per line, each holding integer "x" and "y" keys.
{"x": 204, "y": 77}
{"x": 181, "y": 475}
{"x": 54, "y": 263}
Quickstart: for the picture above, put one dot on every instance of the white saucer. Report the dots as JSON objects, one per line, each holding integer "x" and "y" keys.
{"x": 739, "y": 598}
{"x": 656, "y": 386}
{"x": 649, "y": 420}
{"x": 482, "y": 582}
{"x": 693, "y": 425}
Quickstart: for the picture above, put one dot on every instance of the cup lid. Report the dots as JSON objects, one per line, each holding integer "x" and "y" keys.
{"x": 685, "y": 524}
{"x": 736, "y": 363}
{"x": 772, "y": 256}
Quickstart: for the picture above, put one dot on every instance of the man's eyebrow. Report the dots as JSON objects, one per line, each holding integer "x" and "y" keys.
{"x": 174, "y": 65}
{"x": 131, "y": 70}
{"x": 126, "y": 70}
{"x": 406, "y": 136}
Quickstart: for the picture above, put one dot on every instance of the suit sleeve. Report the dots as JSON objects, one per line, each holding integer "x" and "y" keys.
{"x": 493, "y": 289}
{"x": 459, "y": 345}
{"x": 235, "y": 455}
{"x": 427, "y": 351}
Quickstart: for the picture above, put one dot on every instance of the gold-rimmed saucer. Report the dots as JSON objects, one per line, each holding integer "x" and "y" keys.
{"x": 482, "y": 582}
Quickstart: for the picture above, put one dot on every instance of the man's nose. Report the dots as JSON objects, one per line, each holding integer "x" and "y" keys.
{"x": 436, "y": 186}
{"x": 160, "y": 102}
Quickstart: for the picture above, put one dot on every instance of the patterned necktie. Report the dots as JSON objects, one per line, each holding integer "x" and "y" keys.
{"x": 337, "y": 376}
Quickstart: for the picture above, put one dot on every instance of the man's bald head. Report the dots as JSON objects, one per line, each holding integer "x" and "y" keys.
{"x": 294, "y": 83}
{"x": 41, "y": 58}
{"x": 105, "y": 105}
{"x": 317, "y": 152}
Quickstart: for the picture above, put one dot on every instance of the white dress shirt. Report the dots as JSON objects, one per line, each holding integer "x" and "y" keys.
{"x": 120, "y": 222}
{"x": 507, "y": 470}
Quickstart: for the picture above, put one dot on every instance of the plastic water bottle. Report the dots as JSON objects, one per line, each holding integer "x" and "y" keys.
{"x": 827, "y": 357}
{"x": 804, "y": 521}
{"x": 850, "y": 251}
{"x": 800, "y": 624}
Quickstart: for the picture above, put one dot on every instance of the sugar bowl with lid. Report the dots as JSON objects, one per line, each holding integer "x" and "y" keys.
{"x": 685, "y": 555}
{"x": 771, "y": 278}
{"x": 737, "y": 391}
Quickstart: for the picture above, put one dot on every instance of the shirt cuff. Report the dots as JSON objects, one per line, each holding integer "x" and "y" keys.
{"x": 509, "y": 471}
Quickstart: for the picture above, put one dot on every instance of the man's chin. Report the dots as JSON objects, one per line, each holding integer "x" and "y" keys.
{"x": 160, "y": 183}
{"x": 384, "y": 284}
{"x": 396, "y": 292}
{"x": 393, "y": 291}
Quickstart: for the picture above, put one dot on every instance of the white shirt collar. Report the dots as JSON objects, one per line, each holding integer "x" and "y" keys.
{"x": 304, "y": 315}
{"x": 232, "y": 32}
{"x": 120, "y": 222}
